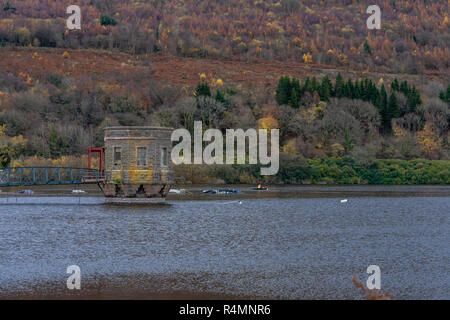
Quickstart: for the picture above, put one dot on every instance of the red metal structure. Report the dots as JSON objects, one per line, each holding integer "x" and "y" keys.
{"x": 99, "y": 150}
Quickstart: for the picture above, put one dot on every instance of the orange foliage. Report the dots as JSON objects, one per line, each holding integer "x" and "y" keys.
{"x": 264, "y": 28}
{"x": 428, "y": 139}
{"x": 268, "y": 123}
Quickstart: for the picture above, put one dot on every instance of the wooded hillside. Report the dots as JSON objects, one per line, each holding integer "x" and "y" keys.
{"x": 414, "y": 35}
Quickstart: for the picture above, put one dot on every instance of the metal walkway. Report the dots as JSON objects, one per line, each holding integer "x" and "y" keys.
{"x": 32, "y": 176}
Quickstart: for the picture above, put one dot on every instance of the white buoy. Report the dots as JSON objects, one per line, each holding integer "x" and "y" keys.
{"x": 344, "y": 201}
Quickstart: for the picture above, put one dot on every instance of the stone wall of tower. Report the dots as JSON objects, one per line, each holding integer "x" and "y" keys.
{"x": 127, "y": 178}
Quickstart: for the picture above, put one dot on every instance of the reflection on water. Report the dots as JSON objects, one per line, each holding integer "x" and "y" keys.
{"x": 282, "y": 248}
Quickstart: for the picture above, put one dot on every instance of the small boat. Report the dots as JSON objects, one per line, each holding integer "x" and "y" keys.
{"x": 220, "y": 191}
{"x": 260, "y": 188}
{"x": 29, "y": 192}
{"x": 78, "y": 191}
{"x": 177, "y": 191}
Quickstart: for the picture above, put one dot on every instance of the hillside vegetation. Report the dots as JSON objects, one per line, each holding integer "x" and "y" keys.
{"x": 352, "y": 106}
{"x": 414, "y": 35}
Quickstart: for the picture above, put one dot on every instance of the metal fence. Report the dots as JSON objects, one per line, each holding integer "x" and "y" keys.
{"x": 29, "y": 176}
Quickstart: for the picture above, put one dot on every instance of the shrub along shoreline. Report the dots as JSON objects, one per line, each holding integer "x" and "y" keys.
{"x": 345, "y": 170}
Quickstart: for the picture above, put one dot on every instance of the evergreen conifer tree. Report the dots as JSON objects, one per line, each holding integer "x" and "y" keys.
{"x": 339, "y": 86}
{"x": 385, "y": 112}
{"x": 283, "y": 91}
{"x": 294, "y": 99}
{"x": 367, "y": 47}
{"x": 326, "y": 89}
{"x": 307, "y": 85}
{"x": 394, "y": 109}
{"x": 203, "y": 89}
{"x": 220, "y": 96}
{"x": 350, "y": 90}
{"x": 395, "y": 85}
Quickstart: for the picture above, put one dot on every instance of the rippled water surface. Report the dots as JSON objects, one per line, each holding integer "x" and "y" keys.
{"x": 271, "y": 247}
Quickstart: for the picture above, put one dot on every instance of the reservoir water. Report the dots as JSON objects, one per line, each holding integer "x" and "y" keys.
{"x": 296, "y": 243}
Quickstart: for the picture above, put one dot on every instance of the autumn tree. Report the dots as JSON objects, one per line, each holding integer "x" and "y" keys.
{"x": 428, "y": 140}
{"x": 5, "y": 152}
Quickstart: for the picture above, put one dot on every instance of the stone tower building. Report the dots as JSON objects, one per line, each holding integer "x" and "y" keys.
{"x": 138, "y": 166}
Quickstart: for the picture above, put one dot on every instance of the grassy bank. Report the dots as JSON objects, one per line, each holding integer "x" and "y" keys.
{"x": 344, "y": 170}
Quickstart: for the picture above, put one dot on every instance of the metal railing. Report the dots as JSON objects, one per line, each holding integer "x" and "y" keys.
{"x": 30, "y": 176}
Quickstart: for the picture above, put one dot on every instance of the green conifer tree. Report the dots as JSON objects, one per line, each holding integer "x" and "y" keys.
{"x": 326, "y": 89}
{"x": 350, "y": 89}
{"x": 294, "y": 99}
{"x": 385, "y": 112}
{"x": 307, "y": 86}
{"x": 374, "y": 94}
{"x": 339, "y": 86}
{"x": 414, "y": 99}
{"x": 283, "y": 91}
{"x": 445, "y": 95}
{"x": 395, "y": 85}
{"x": 220, "y": 96}
{"x": 367, "y": 48}
{"x": 203, "y": 89}
{"x": 404, "y": 88}
{"x": 357, "y": 92}
{"x": 295, "y": 84}
{"x": 393, "y": 107}
{"x": 296, "y": 93}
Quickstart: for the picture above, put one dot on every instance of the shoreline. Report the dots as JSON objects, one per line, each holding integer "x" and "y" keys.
{"x": 195, "y": 192}
{"x": 135, "y": 286}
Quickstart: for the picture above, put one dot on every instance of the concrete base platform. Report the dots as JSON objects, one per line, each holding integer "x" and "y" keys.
{"x": 135, "y": 200}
